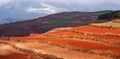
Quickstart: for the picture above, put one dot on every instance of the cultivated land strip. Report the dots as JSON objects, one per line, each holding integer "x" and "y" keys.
{"x": 33, "y": 55}
{"x": 59, "y": 51}
{"x": 64, "y": 44}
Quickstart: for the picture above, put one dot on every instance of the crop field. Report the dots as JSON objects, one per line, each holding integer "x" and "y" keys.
{"x": 83, "y": 38}
{"x": 92, "y": 29}
{"x": 74, "y": 43}
{"x": 69, "y": 33}
{"x": 58, "y": 51}
{"x": 107, "y": 24}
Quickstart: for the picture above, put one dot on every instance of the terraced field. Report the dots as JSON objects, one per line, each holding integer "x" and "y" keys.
{"x": 84, "y": 42}
{"x": 88, "y": 40}
{"x": 97, "y": 30}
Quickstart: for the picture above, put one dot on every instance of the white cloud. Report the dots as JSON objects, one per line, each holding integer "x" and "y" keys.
{"x": 81, "y": 2}
{"x": 35, "y": 8}
{"x": 84, "y": 2}
{"x": 41, "y": 10}
{"x": 2, "y": 2}
{"x": 46, "y": 8}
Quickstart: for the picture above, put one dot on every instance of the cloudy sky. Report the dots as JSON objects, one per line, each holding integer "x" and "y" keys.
{"x": 24, "y": 9}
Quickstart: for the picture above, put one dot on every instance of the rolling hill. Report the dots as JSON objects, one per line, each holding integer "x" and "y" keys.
{"x": 44, "y": 24}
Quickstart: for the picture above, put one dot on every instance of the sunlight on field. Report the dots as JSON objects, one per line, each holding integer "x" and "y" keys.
{"x": 107, "y": 24}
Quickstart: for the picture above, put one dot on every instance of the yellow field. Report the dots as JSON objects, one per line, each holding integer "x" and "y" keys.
{"x": 107, "y": 24}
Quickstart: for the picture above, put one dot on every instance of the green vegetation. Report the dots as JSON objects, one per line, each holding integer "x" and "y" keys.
{"x": 117, "y": 15}
{"x": 66, "y": 18}
{"x": 107, "y": 24}
{"x": 104, "y": 11}
{"x": 110, "y": 15}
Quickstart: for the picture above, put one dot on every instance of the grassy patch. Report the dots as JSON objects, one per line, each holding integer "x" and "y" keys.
{"x": 66, "y": 18}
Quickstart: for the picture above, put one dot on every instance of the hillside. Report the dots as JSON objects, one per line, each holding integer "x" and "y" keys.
{"x": 44, "y": 24}
{"x": 110, "y": 15}
{"x": 70, "y": 43}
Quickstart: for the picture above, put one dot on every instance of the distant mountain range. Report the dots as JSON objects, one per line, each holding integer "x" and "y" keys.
{"x": 9, "y": 20}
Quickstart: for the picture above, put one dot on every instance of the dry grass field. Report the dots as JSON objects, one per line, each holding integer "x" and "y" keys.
{"x": 110, "y": 24}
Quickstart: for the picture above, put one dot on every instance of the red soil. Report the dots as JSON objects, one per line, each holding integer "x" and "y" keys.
{"x": 102, "y": 37}
{"x": 64, "y": 33}
{"x": 107, "y": 37}
{"x": 15, "y": 56}
{"x": 76, "y": 44}
{"x": 93, "y": 29}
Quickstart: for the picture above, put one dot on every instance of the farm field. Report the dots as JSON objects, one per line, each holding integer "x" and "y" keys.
{"x": 69, "y": 33}
{"x": 8, "y": 52}
{"x": 69, "y": 43}
{"x": 108, "y": 24}
{"x": 95, "y": 30}
{"x": 94, "y": 40}
{"x": 58, "y": 51}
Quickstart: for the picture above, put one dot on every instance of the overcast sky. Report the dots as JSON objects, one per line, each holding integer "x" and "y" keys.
{"x": 83, "y": 2}
{"x": 36, "y": 8}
